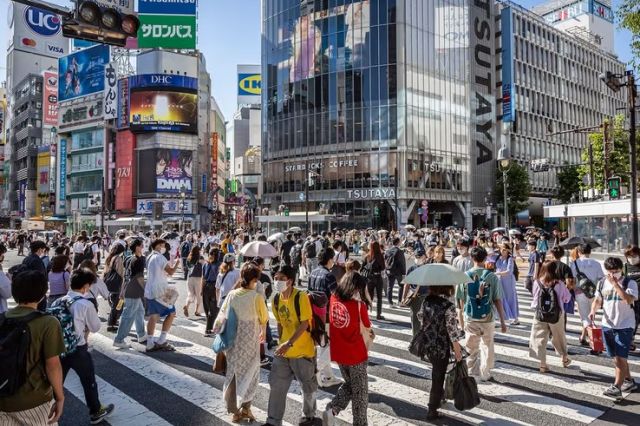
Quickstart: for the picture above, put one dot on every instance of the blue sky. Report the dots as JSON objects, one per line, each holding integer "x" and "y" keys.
{"x": 229, "y": 34}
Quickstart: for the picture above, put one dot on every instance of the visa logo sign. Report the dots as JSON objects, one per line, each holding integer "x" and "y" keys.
{"x": 249, "y": 84}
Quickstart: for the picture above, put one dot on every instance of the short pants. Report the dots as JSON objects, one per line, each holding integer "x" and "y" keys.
{"x": 617, "y": 341}
{"x": 156, "y": 308}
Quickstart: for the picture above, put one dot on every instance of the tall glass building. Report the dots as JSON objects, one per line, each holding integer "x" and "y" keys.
{"x": 388, "y": 105}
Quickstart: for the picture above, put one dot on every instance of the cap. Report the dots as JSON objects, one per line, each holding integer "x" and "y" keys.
{"x": 229, "y": 257}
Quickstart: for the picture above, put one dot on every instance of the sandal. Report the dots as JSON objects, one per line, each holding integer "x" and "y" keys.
{"x": 566, "y": 363}
{"x": 247, "y": 414}
{"x": 544, "y": 369}
{"x": 236, "y": 417}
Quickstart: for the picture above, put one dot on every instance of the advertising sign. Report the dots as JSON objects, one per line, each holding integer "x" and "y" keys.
{"x": 124, "y": 173}
{"x": 50, "y": 98}
{"x": 78, "y": 44}
{"x": 82, "y": 73}
{"x": 144, "y": 207}
{"x": 122, "y": 6}
{"x": 214, "y": 161}
{"x": 249, "y": 84}
{"x": 508, "y": 92}
{"x": 22, "y": 197}
{"x": 123, "y": 103}
{"x": 452, "y": 27}
{"x": 81, "y": 111}
{"x": 173, "y": 171}
{"x": 37, "y": 31}
{"x": 42, "y": 163}
{"x": 167, "y": 31}
{"x": 181, "y": 7}
{"x": 110, "y": 92}
{"x": 62, "y": 193}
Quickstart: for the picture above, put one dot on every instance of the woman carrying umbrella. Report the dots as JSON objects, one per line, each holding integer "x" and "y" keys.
{"x": 504, "y": 269}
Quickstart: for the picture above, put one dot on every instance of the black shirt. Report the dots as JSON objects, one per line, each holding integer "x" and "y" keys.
{"x": 134, "y": 289}
{"x": 34, "y": 262}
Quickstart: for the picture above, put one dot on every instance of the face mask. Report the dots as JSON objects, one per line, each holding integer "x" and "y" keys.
{"x": 633, "y": 260}
{"x": 280, "y": 286}
{"x": 163, "y": 250}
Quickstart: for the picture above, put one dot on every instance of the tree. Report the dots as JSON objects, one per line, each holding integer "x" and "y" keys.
{"x": 618, "y": 156}
{"x": 568, "y": 183}
{"x": 629, "y": 17}
{"x": 518, "y": 190}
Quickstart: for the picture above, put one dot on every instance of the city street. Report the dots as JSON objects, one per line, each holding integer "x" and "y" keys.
{"x": 179, "y": 388}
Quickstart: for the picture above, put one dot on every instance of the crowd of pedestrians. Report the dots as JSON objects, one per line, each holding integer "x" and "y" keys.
{"x": 321, "y": 290}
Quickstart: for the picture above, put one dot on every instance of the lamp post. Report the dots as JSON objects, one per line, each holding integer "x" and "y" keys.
{"x": 183, "y": 196}
{"x": 504, "y": 162}
{"x": 614, "y": 82}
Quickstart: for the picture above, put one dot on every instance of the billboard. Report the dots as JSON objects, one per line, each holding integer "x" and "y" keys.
{"x": 110, "y": 92}
{"x": 81, "y": 111}
{"x": 508, "y": 86}
{"x": 167, "y": 31}
{"x": 82, "y": 73}
{"x": 249, "y": 84}
{"x": 163, "y": 7}
{"x": 124, "y": 173}
{"x": 144, "y": 207}
{"x": 50, "y": 98}
{"x": 37, "y": 31}
{"x": 62, "y": 192}
{"x": 123, "y": 104}
{"x": 173, "y": 171}
{"x": 161, "y": 102}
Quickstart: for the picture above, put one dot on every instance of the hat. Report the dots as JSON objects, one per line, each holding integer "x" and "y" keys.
{"x": 229, "y": 257}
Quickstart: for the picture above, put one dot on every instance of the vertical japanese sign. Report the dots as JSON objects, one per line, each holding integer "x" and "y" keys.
{"x": 110, "y": 92}
{"x": 50, "y": 99}
{"x": 123, "y": 103}
{"x": 22, "y": 198}
{"x": 214, "y": 164}
{"x": 62, "y": 176}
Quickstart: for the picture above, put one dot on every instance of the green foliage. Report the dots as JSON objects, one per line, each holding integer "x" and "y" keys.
{"x": 518, "y": 190}
{"x": 618, "y": 158}
{"x": 568, "y": 183}
{"x": 629, "y": 19}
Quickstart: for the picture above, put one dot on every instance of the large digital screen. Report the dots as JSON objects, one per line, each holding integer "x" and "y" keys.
{"x": 173, "y": 171}
{"x": 162, "y": 111}
{"x": 82, "y": 73}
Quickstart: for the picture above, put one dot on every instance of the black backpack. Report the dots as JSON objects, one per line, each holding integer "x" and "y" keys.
{"x": 310, "y": 250}
{"x": 390, "y": 260}
{"x": 15, "y": 339}
{"x": 585, "y": 284}
{"x": 87, "y": 254}
{"x": 548, "y": 309}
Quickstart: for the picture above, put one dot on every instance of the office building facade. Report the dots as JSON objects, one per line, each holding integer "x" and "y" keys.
{"x": 386, "y": 109}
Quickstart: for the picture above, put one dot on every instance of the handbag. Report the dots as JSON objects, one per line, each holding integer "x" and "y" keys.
{"x": 465, "y": 390}
{"x": 367, "y": 332}
{"x": 225, "y": 338}
{"x": 220, "y": 367}
{"x": 458, "y": 370}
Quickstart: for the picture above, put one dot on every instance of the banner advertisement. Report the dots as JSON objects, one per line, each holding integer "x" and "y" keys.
{"x": 164, "y": 7}
{"x": 82, "y": 73}
{"x": 79, "y": 112}
{"x": 50, "y": 98}
{"x": 110, "y": 92}
{"x": 167, "y": 31}
{"x": 36, "y": 31}
{"x": 214, "y": 161}
{"x": 173, "y": 171}
{"x": 125, "y": 148}
{"x": 42, "y": 164}
{"x": 62, "y": 193}
{"x": 508, "y": 92}
{"x": 145, "y": 207}
{"x": 123, "y": 103}
{"x": 249, "y": 84}
{"x": 22, "y": 197}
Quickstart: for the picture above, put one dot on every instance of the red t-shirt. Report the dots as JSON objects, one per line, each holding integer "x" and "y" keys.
{"x": 346, "y": 343}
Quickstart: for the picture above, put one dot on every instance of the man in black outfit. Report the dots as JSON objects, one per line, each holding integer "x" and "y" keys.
{"x": 286, "y": 250}
{"x": 34, "y": 262}
{"x": 396, "y": 267}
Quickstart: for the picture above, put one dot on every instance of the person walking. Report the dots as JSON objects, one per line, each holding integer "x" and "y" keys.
{"x": 243, "y": 357}
{"x": 505, "y": 267}
{"x": 632, "y": 271}
{"x": 133, "y": 293}
{"x": 194, "y": 281}
{"x": 477, "y": 300}
{"x": 227, "y": 278}
{"x": 210, "y": 272}
{"x": 59, "y": 279}
{"x": 372, "y": 270}
{"x": 535, "y": 262}
{"x": 396, "y": 268}
{"x": 413, "y": 295}
{"x": 295, "y": 357}
{"x": 186, "y": 248}
{"x": 348, "y": 320}
{"x": 549, "y": 298}
{"x": 113, "y": 277}
{"x": 463, "y": 261}
{"x": 592, "y": 270}
{"x": 339, "y": 259}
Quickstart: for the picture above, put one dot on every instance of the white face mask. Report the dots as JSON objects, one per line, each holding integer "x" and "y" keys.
{"x": 163, "y": 250}
{"x": 280, "y": 286}
{"x": 633, "y": 260}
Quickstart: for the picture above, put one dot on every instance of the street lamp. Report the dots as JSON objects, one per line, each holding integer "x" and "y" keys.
{"x": 183, "y": 195}
{"x": 504, "y": 163}
{"x": 614, "y": 82}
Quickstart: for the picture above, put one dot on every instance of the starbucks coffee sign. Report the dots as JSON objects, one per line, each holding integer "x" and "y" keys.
{"x": 371, "y": 194}
{"x": 321, "y": 164}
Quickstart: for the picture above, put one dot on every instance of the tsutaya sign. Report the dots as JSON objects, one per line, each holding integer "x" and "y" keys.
{"x": 371, "y": 194}
{"x": 316, "y": 165}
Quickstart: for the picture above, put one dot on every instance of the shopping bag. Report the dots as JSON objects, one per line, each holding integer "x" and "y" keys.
{"x": 595, "y": 338}
{"x": 465, "y": 390}
{"x": 220, "y": 366}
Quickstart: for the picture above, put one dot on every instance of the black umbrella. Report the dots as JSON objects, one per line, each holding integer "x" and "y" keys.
{"x": 574, "y": 242}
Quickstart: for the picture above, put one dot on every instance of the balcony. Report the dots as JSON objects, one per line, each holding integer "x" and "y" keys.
{"x": 26, "y": 151}
{"x": 28, "y": 132}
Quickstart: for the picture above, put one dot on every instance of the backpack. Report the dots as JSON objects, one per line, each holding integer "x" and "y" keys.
{"x": 584, "y": 283}
{"x": 15, "y": 339}
{"x": 296, "y": 255}
{"x": 325, "y": 243}
{"x": 432, "y": 340}
{"x": 61, "y": 309}
{"x": 87, "y": 254}
{"x": 479, "y": 304}
{"x": 390, "y": 259}
{"x": 185, "y": 248}
{"x": 548, "y": 309}
{"x": 310, "y": 250}
{"x": 319, "y": 304}
{"x": 113, "y": 280}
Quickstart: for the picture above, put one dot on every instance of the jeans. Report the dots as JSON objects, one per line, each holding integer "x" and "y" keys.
{"x": 393, "y": 278}
{"x": 80, "y": 361}
{"x": 375, "y": 285}
{"x": 114, "y": 314}
{"x": 210, "y": 304}
{"x": 185, "y": 267}
{"x": 133, "y": 312}
{"x": 438, "y": 375}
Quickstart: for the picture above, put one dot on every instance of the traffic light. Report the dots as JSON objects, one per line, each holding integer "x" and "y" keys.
{"x": 93, "y": 22}
{"x": 613, "y": 186}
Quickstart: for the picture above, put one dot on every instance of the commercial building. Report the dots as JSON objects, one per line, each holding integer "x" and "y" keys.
{"x": 385, "y": 109}
{"x": 219, "y": 166}
{"x": 550, "y": 83}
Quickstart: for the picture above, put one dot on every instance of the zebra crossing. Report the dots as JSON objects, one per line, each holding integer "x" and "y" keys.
{"x": 179, "y": 387}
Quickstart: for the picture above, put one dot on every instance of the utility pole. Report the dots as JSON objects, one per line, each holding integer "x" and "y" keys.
{"x": 605, "y": 150}
{"x": 306, "y": 197}
{"x": 591, "y": 174}
{"x": 632, "y": 94}
{"x": 395, "y": 184}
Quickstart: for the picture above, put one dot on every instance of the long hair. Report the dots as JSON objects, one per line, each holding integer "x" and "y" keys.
{"x": 249, "y": 272}
{"x": 194, "y": 256}
{"x": 548, "y": 272}
{"x": 352, "y": 283}
{"x": 375, "y": 253}
{"x": 116, "y": 250}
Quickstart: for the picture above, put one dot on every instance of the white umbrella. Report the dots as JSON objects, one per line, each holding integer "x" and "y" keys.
{"x": 500, "y": 230}
{"x": 410, "y": 227}
{"x": 435, "y": 274}
{"x": 514, "y": 232}
{"x": 382, "y": 231}
{"x": 277, "y": 236}
{"x": 295, "y": 229}
{"x": 258, "y": 248}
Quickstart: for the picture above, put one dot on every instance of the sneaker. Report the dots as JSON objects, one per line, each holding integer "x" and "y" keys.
{"x": 613, "y": 391}
{"x": 104, "y": 412}
{"x": 325, "y": 382}
{"x": 121, "y": 345}
{"x": 307, "y": 421}
{"x": 380, "y": 318}
{"x": 112, "y": 329}
{"x": 143, "y": 339}
{"x": 265, "y": 361}
{"x": 328, "y": 418}
{"x": 629, "y": 385}
{"x": 433, "y": 415}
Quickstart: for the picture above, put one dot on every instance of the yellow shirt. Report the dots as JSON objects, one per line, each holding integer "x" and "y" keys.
{"x": 285, "y": 313}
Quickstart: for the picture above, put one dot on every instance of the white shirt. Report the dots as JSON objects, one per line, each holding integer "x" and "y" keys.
{"x": 99, "y": 288}
{"x": 463, "y": 263}
{"x": 228, "y": 284}
{"x": 618, "y": 314}
{"x": 590, "y": 267}
{"x": 85, "y": 317}
{"x": 78, "y": 247}
{"x": 5, "y": 291}
{"x": 157, "y": 281}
